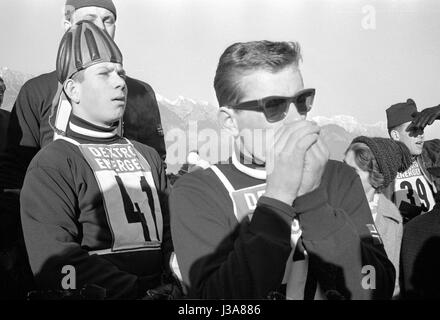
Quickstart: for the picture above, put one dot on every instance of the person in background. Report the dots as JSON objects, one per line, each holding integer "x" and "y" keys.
{"x": 414, "y": 191}
{"x": 377, "y": 162}
{"x": 420, "y": 257}
{"x": 4, "y": 116}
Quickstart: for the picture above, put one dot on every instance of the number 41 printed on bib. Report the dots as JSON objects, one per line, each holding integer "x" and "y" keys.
{"x": 130, "y": 198}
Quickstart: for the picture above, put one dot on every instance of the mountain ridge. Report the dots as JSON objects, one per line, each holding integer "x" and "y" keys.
{"x": 185, "y": 113}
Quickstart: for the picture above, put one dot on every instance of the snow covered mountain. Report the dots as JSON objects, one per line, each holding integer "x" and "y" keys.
{"x": 351, "y": 125}
{"x": 185, "y": 113}
{"x": 13, "y": 80}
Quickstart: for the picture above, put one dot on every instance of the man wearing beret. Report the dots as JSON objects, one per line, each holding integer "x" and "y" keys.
{"x": 414, "y": 191}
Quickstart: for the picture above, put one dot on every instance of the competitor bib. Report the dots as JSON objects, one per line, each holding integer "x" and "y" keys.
{"x": 244, "y": 203}
{"x": 129, "y": 194}
{"x": 413, "y": 190}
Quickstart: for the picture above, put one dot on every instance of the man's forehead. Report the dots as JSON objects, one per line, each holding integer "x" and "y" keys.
{"x": 106, "y": 65}
{"x": 85, "y": 11}
{"x": 404, "y": 126}
{"x": 262, "y": 74}
{"x": 287, "y": 80}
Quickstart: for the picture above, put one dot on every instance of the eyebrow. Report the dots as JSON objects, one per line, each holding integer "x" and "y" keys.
{"x": 104, "y": 69}
{"x": 91, "y": 15}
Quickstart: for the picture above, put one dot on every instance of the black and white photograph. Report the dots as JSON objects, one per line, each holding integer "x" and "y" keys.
{"x": 220, "y": 154}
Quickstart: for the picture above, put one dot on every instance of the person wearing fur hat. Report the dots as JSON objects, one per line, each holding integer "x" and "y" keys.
{"x": 414, "y": 191}
{"x": 377, "y": 162}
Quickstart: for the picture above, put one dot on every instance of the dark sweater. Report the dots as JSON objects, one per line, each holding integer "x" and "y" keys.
{"x": 420, "y": 257}
{"x": 68, "y": 221}
{"x": 29, "y": 128}
{"x": 220, "y": 258}
{"x": 4, "y": 120}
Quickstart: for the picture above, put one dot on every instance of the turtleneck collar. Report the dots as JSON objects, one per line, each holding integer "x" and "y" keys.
{"x": 247, "y": 165}
{"x": 86, "y": 132}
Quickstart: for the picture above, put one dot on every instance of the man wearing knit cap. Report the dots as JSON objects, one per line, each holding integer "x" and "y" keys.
{"x": 93, "y": 200}
{"x": 41, "y": 108}
{"x": 39, "y": 111}
{"x": 414, "y": 190}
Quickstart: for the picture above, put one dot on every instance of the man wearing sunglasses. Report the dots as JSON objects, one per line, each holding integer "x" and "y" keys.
{"x": 278, "y": 220}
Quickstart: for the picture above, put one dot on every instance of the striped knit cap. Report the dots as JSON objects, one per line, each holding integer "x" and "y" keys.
{"x": 82, "y": 46}
{"x": 391, "y": 156}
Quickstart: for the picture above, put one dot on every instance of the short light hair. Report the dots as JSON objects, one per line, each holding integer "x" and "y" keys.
{"x": 245, "y": 57}
{"x": 365, "y": 160}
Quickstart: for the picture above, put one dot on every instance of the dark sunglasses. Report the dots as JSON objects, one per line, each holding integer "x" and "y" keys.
{"x": 275, "y": 108}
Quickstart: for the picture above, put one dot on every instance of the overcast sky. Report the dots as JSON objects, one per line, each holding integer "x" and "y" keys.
{"x": 357, "y": 66}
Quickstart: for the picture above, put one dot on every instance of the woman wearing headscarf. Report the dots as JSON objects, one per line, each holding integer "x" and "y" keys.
{"x": 377, "y": 161}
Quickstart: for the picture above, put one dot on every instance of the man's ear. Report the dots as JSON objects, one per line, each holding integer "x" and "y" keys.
{"x": 395, "y": 135}
{"x": 71, "y": 88}
{"x": 227, "y": 121}
{"x": 67, "y": 25}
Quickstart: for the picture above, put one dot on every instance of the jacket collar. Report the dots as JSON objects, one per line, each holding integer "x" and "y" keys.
{"x": 387, "y": 209}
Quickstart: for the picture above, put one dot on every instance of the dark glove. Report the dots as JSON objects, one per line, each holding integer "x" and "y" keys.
{"x": 88, "y": 292}
{"x": 170, "y": 289}
{"x": 425, "y": 118}
{"x": 167, "y": 291}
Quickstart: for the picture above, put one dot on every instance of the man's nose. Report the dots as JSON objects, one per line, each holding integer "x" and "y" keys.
{"x": 120, "y": 82}
{"x": 293, "y": 115}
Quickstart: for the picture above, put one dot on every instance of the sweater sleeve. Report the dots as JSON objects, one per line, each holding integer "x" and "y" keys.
{"x": 344, "y": 256}
{"x": 164, "y": 190}
{"x": 52, "y": 237}
{"x": 218, "y": 261}
{"x": 142, "y": 120}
